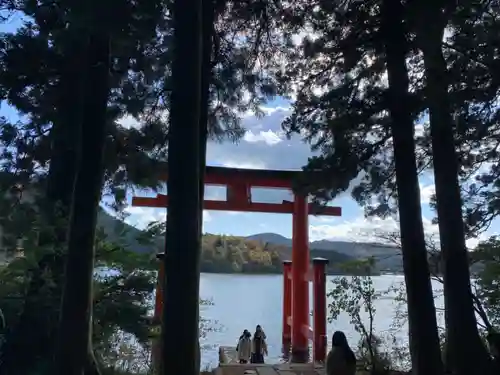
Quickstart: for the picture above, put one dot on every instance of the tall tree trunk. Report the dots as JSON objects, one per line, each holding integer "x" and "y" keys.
{"x": 180, "y": 321}
{"x": 464, "y": 342}
{"x": 424, "y": 339}
{"x": 33, "y": 334}
{"x": 208, "y": 18}
{"x": 72, "y": 353}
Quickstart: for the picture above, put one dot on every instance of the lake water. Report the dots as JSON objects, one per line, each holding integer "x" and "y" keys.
{"x": 243, "y": 301}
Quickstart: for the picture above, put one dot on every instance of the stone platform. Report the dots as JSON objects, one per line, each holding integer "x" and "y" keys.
{"x": 265, "y": 369}
{"x": 228, "y": 365}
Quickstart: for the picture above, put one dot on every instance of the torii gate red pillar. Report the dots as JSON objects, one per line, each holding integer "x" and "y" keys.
{"x": 320, "y": 339}
{"x": 287, "y": 309}
{"x": 300, "y": 280}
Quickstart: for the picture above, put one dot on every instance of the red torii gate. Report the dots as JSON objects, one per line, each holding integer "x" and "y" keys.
{"x": 239, "y": 198}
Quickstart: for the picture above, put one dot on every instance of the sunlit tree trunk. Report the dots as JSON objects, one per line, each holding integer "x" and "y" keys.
{"x": 467, "y": 355}
{"x": 423, "y": 332}
{"x": 72, "y": 355}
{"x": 180, "y": 330}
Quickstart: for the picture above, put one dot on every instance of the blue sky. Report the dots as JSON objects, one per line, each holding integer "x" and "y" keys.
{"x": 265, "y": 146}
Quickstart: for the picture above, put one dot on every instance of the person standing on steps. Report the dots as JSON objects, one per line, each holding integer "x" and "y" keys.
{"x": 244, "y": 347}
{"x": 259, "y": 346}
{"x": 341, "y": 359}
{"x": 264, "y": 337}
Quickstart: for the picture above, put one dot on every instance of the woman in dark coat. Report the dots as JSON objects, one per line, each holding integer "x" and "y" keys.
{"x": 259, "y": 346}
{"x": 341, "y": 359}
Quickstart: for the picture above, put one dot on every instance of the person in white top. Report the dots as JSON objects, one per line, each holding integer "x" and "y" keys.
{"x": 244, "y": 347}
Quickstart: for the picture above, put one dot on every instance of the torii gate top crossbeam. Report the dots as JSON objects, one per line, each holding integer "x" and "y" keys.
{"x": 239, "y": 183}
{"x": 263, "y": 178}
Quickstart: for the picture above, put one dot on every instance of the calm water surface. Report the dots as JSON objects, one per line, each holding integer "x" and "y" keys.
{"x": 243, "y": 301}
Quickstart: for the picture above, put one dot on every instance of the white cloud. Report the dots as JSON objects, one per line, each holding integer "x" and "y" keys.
{"x": 362, "y": 229}
{"x": 255, "y": 164}
{"x": 426, "y": 193}
{"x": 267, "y": 111}
{"x": 128, "y": 122}
{"x": 140, "y": 217}
{"x": 473, "y": 242}
{"x": 419, "y": 130}
{"x": 269, "y": 137}
{"x": 270, "y": 110}
{"x": 263, "y": 146}
{"x": 323, "y": 219}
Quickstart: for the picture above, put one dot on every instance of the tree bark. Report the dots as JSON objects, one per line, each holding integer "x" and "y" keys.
{"x": 208, "y": 18}
{"x": 423, "y": 332}
{"x": 180, "y": 331}
{"x": 464, "y": 342}
{"x": 72, "y": 355}
{"x": 32, "y": 335}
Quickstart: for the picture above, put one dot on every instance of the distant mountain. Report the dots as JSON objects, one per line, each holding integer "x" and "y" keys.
{"x": 353, "y": 249}
{"x": 334, "y": 256}
{"x": 356, "y": 249}
{"x": 118, "y": 231}
{"x": 224, "y": 254}
{"x": 275, "y": 239}
{"x": 337, "y": 252}
{"x": 388, "y": 257}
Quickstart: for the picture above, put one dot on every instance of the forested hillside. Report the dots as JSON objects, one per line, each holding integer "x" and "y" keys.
{"x": 221, "y": 254}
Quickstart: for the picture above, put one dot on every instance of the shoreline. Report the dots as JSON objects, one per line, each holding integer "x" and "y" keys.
{"x": 281, "y": 274}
